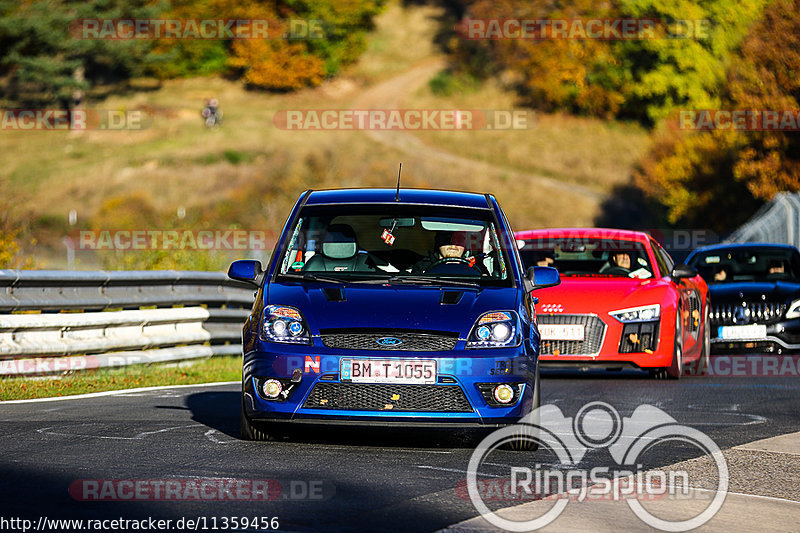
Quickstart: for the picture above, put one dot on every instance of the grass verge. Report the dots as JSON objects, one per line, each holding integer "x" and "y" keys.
{"x": 226, "y": 368}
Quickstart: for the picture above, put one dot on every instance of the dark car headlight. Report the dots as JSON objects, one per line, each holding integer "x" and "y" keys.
{"x": 494, "y": 330}
{"x": 284, "y": 324}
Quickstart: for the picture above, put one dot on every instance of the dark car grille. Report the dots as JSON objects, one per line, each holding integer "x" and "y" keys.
{"x": 593, "y": 332}
{"x": 752, "y": 313}
{"x": 387, "y": 397}
{"x": 409, "y": 341}
{"x": 639, "y": 337}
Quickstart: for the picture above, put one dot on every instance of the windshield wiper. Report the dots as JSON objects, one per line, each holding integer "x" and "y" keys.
{"x": 430, "y": 280}
{"x": 308, "y": 276}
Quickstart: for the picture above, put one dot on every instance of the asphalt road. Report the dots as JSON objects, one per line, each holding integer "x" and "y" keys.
{"x": 337, "y": 480}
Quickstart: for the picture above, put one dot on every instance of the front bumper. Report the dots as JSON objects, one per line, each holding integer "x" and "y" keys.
{"x": 781, "y": 337}
{"x": 322, "y": 397}
{"x": 607, "y": 343}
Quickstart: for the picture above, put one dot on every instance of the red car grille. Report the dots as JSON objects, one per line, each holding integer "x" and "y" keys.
{"x": 594, "y": 330}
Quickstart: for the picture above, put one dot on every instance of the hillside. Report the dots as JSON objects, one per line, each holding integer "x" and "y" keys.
{"x": 248, "y": 171}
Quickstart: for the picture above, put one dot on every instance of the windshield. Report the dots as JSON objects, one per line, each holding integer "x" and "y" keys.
{"x": 409, "y": 243}
{"x": 589, "y": 257}
{"x": 747, "y": 264}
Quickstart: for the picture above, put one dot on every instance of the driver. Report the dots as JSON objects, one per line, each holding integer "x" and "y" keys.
{"x": 620, "y": 260}
{"x": 448, "y": 245}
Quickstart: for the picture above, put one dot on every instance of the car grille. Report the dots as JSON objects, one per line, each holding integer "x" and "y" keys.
{"x": 388, "y": 397}
{"x": 639, "y": 337}
{"x": 754, "y": 313}
{"x": 593, "y": 333}
{"x": 413, "y": 341}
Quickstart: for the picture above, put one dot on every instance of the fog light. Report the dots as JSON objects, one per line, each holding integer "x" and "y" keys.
{"x": 272, "y": 388}
{"x": 503, "y": 393}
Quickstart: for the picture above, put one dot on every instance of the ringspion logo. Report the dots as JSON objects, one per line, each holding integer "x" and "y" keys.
{"x": 596, "y": 426}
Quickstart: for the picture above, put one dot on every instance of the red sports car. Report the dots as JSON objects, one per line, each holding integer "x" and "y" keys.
{"x": 622, "y": 302}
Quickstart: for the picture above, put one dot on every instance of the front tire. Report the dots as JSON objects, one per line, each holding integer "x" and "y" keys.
{"x": 526, "y": 439}
{"x": 249, "y": 430}
{"x": 675, "y": 369}
{"x": 700, "y": 366}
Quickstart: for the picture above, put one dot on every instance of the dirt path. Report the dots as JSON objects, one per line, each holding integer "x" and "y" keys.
{"x": 389, "y": 94}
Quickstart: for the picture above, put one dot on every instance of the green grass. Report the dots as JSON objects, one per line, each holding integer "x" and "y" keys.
{"x": 228, "y": 368}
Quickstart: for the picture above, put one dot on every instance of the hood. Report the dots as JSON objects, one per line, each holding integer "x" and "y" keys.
{"x": 594, "y": 295}
{"x": 392, "y": 307}
{"x": 770, "y": 291}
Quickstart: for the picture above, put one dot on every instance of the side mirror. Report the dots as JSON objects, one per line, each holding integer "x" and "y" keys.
{"x": 541, "y": 277}
{"x": 683, "y": 271}
{"x": 248, "y": 270}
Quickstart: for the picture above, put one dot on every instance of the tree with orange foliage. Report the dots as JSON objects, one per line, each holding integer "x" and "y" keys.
{"x": 718, "y": 178}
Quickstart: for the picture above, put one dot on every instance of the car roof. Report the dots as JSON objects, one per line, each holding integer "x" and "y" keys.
{"x": 407, "y": 196}
{"x": 744, "y": 246}
{"x": 592, "y": 233}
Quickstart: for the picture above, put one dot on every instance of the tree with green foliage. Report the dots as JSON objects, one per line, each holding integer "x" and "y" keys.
{"x": 675, "y": 72}
{"x": 44, "y": 64}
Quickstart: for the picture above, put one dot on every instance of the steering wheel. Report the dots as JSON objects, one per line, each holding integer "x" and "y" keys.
{"x": 617, "y": 271}
{"x": 459, "y": 264}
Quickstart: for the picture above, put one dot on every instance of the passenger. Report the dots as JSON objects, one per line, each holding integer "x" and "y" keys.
{"x": 776, "y": 266}
{"x": 546, "y": 259}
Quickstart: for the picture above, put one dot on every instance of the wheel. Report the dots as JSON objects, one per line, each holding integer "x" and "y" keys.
{"x": 675, "y": 369}
{"x": 249, "y": 430}
{"x": 526, "y": 442}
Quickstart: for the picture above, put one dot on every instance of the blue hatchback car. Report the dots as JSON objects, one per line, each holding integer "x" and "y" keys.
{"x": 391, "y": 307}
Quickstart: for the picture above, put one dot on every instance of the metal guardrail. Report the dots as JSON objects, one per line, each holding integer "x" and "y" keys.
{"x": 778, "y": 221}
{"x": 57, "y": 321}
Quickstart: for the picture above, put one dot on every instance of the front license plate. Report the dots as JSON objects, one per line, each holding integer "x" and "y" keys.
{"x": 752, "y": 331}
{"x": 413, "y": 371}
{"x": 561, "y": 332}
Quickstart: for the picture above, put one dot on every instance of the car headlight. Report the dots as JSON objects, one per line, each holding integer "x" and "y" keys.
{"x": 284, "y": 324}
{"x": 646, "y": 313}
{"x": 794, "y": 310}
{"x": 494, "y": 330}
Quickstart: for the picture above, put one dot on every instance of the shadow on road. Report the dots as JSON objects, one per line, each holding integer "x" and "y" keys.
{"x": 220, "y": 410}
